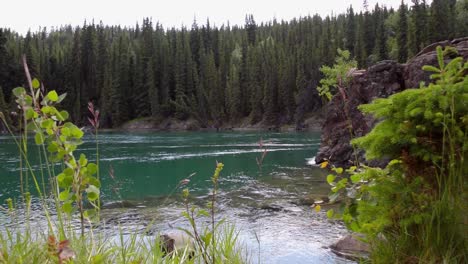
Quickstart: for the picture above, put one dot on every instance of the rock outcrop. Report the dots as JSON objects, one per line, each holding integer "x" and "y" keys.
{"x": 344, "y": 121}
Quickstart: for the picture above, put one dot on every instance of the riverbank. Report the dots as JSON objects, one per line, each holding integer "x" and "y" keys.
{"x": 312, "y": 123}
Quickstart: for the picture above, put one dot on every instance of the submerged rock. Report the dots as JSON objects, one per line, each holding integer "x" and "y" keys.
{"x": 350, "y": 247}
{"x": 343, "y": 119}
{"x": 272, "y": 207}
{"x": 119, "y": 204}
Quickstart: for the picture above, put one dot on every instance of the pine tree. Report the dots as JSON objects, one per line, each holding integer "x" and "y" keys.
{"x": 381, "y": 35}
{"x": 251, "y": 28}
{"x": 351, "y": 31}
{"x": 101, "y": 60}
{"x": 74, "y": 75}
{"x": 439, "y": 20}
{"x": 359, "y": 48}
{"x": 402, "y": 34}
{"x": 254, "y": 82}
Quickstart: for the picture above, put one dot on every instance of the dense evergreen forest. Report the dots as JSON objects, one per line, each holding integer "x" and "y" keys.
{"x": 259, "y": 72}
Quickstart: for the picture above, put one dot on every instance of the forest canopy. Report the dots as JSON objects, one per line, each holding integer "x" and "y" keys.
{"x": 261, "y": 71}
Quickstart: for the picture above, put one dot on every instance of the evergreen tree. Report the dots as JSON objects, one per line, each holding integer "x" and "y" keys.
{"x": 439, "y": 22}
{"x": 233, "y": 86}
{"x": 402, "y": 34}
{"x": 251, "y": 29}
{"x": 381, "y": 35}
{"x": 350, "y": 31}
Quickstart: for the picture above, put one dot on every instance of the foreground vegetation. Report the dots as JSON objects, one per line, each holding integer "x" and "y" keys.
{"x": 414, "y": 209}
{"x": 74, "y": 196}
{"x": 216, "y": 74}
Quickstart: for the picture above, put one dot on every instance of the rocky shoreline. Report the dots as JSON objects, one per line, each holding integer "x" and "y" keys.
{"x": 311, "y": 124}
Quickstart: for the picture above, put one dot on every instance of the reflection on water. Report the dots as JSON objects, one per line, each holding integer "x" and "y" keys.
{"x": 262, "y": 202}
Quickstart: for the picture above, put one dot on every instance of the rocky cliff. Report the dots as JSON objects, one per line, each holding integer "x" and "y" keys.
{"x": 344, "y": 121}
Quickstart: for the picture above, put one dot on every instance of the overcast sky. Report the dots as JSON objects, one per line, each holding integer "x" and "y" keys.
{"x": 22, "y": 15}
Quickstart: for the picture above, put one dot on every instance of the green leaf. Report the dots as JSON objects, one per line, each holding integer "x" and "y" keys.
{"x": 343, "y": 181}
{"x": 330, "y": 213}
{"x": 30, "y": 114}
{"x": 83, "y": 161}
{"x": 94, "y": 181}
{"x": 46, "y": 109}
{"x": 89, "y": 213}
{"x": 92, "y": 192}
{"x": 48, "y": 123}
{"x": 62, "y": 115}
{"x": 28, "y": 100}
{"x": 338, "y": 170}
{"x": 64, "y": 181}
{"x": 63, "y": 196}
{"x": 92, "y": 168}
{"x": 76, "y": 132}
{"x": 202, "y": 212}
{"x": 53, "y": 147}
{"x": 355, "y": 178}
{"x": 39, "y": 138}
{"x": 61, "y": 97}
{"x": 330, "y": 178}
{"x": 18, "y": 91}
{"x": 35, "y": 83}
{"x": 68, "y": 171}
{"x": 351, "y": 169}
{"x": 66, "y": 131}
{"x": 53, "y": 96}
{"x": 207, "y": 238}
{"x": 354, "y": 227}
{"x": 67, "y": 207}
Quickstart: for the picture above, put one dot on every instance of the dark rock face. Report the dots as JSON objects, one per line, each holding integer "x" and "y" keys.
{"x": 345, "y": 122}
{"x": 414, "y": 74}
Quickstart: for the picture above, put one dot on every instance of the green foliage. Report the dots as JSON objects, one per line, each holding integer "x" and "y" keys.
{"x": 336, "y": 76}
{"x": 52, "y": 131}
{"x": 402, "y": 34}
{"x": 413, "y": 209}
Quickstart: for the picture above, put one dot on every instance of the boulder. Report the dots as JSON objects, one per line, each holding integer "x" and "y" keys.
{"x": 344, "y": 121}
{"x": 350, "y": 247}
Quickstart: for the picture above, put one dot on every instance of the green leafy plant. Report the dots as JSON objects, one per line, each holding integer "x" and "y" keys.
{"x": 338, "y": 76}
{"x": 59, "y": 139}
{"x": 412, "y": 211}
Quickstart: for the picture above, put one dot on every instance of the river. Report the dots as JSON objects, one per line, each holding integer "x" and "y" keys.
{"x": 264, "y": 202}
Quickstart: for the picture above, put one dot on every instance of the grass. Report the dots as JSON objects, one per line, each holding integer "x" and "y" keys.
{"x": 28, "y": 247}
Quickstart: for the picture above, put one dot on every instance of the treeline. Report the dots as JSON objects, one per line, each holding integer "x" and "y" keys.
{"x": 257, "y": 72}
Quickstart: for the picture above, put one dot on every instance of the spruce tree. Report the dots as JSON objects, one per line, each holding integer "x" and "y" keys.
{"x": 439, "y": 20}
{"x": 402, "y": 34}
{"x": 350, "y": 31}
